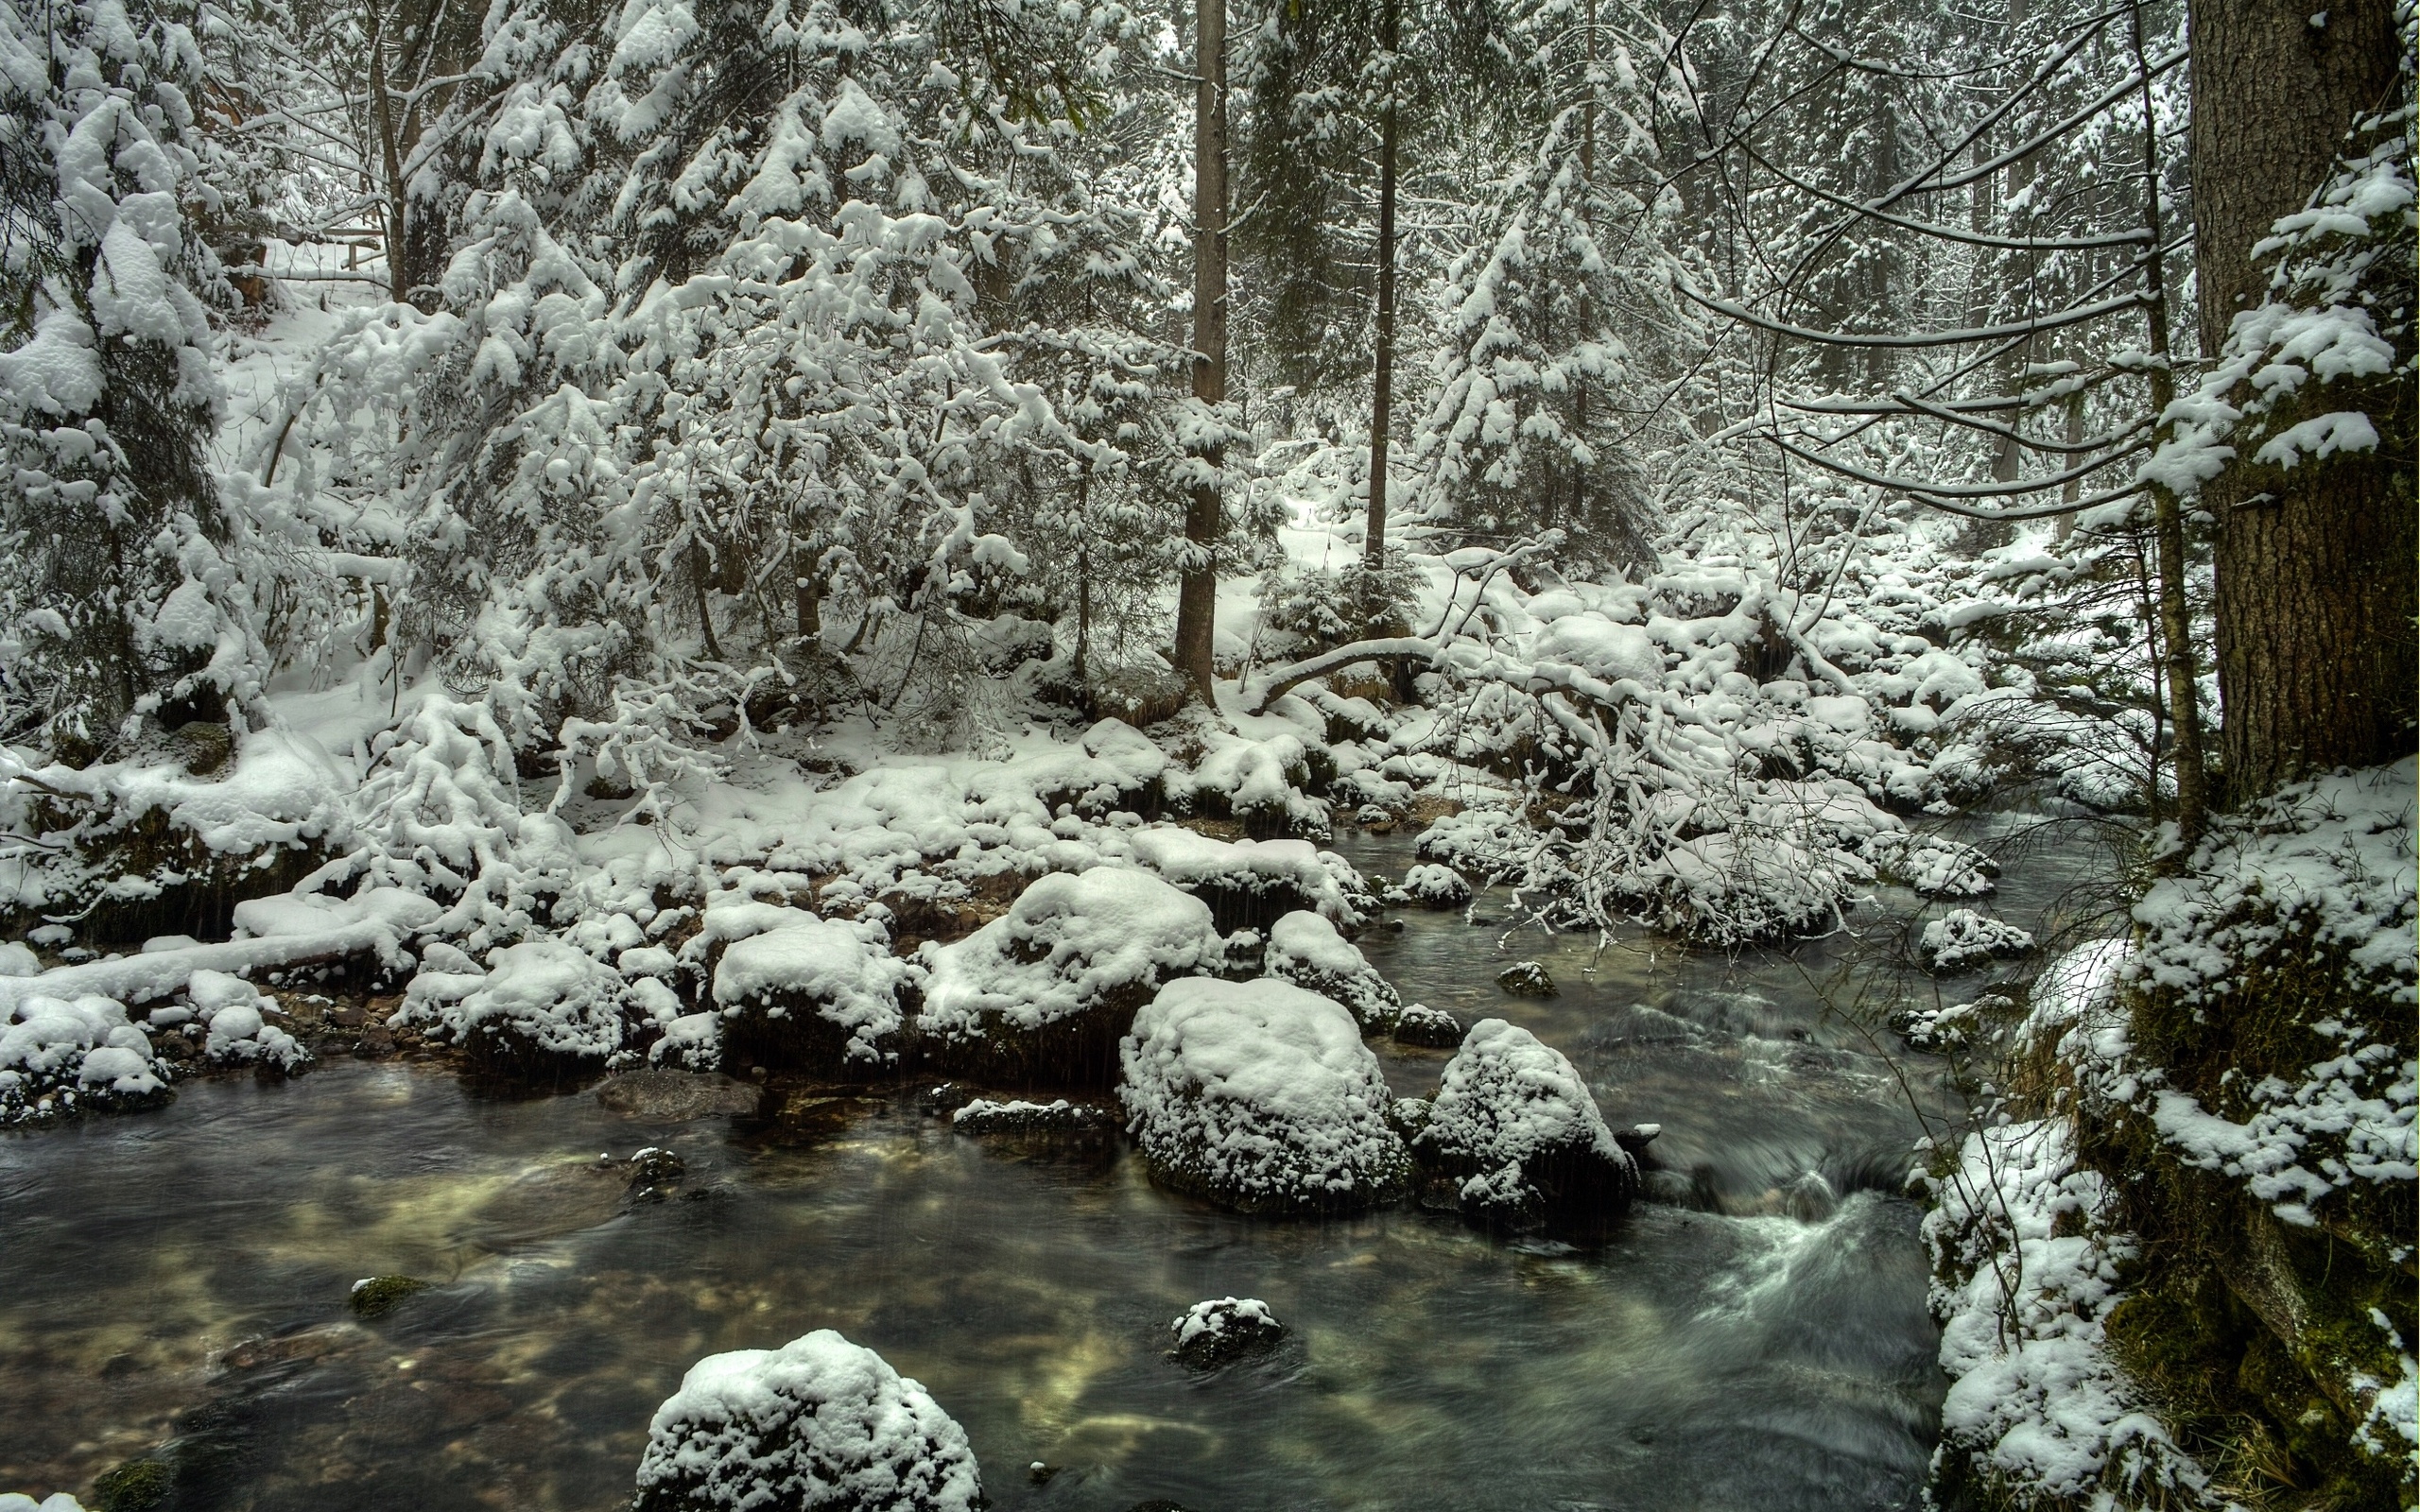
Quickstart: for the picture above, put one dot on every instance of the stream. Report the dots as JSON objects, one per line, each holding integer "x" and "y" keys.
{"x": 1759, "y": 1340}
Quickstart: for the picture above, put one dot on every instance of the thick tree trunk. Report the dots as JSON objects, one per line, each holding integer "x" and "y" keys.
{"x": 1382, "y": 387}
{"x": 2316, "y": 652}
{"x": 1197, "y": 604}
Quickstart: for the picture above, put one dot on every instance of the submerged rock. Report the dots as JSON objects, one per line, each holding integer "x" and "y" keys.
{"x": 131, "y": 1485}
{"x": 1429, "y": 1028}
{"x": 1212, "y": 1334}
{"x": 1306, "y": 950}
{"x": 1527, "y": 979}
{"x": 1515, "y": 1137}
{"x": 818, "y": 1423}
{"x": 1259, "y": 1097}
{"x": 675, "y": 1097}
{"x": 983, "y": 1116}
{"x": 1042, "y": 994}
{"x": 377, "y": 1296}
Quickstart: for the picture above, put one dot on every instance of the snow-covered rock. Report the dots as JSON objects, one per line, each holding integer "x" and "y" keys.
{"x": 56, "y": 1502}
{"x": 1515, "y": 1137}
{"x": 1211, "y": 1333}
{"x": 60, "y": 1057}
{"x": 1306, "y": 950}
{"x": 818, "y": 1423}
{"x": 1431, "y": 1029}
{"x": 692, "y": 1041}
{"x": 1259, "y": 1097}
{"x": 1527, "y": 979}
{"x": 985, "y": 1115}
{"x": 796, "y": 989}
{"x": 1250, "y": 884}
{"x": 1044, "y": 993}
{"x": 1963, "y": 939}
{"x": 542, "y": 1010}
{"x": 1432, "y": 885}
{"x": 234, "y": 1012}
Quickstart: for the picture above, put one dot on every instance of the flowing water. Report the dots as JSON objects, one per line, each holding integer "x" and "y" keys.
{"x": 1759, "y": 1341}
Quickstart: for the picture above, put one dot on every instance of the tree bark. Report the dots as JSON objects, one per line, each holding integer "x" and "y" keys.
{"x": 2316, "y": 651}
{"x": 1197, "y": 604}
{"x": 1373, "y": 540}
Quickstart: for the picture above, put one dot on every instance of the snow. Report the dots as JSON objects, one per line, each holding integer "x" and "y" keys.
{"x": 540, "y": 993}
{"x": 816, "y": 1422}
{"x": 786, "y": 961}
{"x": 61, "y": 1056}
{"x": 1508, "y": 1106}
{"x": 56, "y": 1502}
{"x": 1068, "y": 942}
{"x": 1258, "y": 1095}
{"x": 1317, "y": 878}
{"x": 1306, "y": 950}
{"x": 1963, "y": 939}
{"x": 693, "y": 1040}
{"x": 1432, "y": 885}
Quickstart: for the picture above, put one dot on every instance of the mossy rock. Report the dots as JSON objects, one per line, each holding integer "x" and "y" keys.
{"x": 377, "y": 1296}
{"x": 136, "y": 1486}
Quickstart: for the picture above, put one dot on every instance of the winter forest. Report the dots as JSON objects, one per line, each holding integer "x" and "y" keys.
{"x": 1252, "y": 756}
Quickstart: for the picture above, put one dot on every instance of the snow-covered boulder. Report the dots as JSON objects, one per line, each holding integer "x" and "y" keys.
{"x": 1963, "y": 939}
{"x": 820, "y": 1423}
{"x": 1229, "y": 1327}
{"x": 1513, "y": 1138}
{"x": 813, "y": 993}
{"x": 1527, "y": 979}
{"x": 692, "y": 1041}
{"x": 1259, "y": 1097}
{"x": 60, "y": 1057}
{"x": 1251, "y": 884}
{"x": 1306, "y": 950}
{"x": 233, "y": 1014}
{"x": 1430, "y": 1028}
{"x": 541, "y": 1010}
{"x": 1044, "y": 993}
{"x": 1432, "y": 885}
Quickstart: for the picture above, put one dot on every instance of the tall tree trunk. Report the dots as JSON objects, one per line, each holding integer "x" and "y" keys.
{"x": 1382, "y": 387}
{"x": 1196, "y": 602}
{"x": 2168, "y": 512}
{"x": 2317, "y": 656}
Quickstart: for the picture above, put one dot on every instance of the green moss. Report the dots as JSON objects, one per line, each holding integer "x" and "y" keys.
{"x": 136, "y": 1486}
{"x": 380, "y": 1295}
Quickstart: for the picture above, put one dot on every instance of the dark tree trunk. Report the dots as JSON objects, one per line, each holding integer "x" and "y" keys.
{"x": 2316, "y": 653}
{"x": 1382, "y": 387}
{"x": 1197, "y": 604}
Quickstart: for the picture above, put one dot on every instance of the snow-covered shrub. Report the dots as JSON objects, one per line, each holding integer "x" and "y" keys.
{"x": 1212, "y": 1334}
{"x": 819, "y": 1422}
{"x": 796, "y": 990}
{"x": 1431, "y": 885}
{"x": 539, "y": 1010}
{"x": 1514, "y": 1139}
{"x": 1963, "y": 939}
{"x": 1045, "y": 992}
{"x": 1306, "y": 950}
{"x": 60, "y": 1057}
{"x": 230, "y": 1009}
{"x": 1259, "y": 1097}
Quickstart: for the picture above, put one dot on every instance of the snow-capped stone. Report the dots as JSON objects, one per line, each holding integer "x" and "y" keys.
{"x": 1229, "y": 1327}
{"x": 797, "y": 991}
{"x": 1432, "y": 885}
{"x": 692, "y": 1041}
{"x": 1259, "y": 1097}
{"x": 1431, "y": 1029}
{"x": 1527, "y": 979}
{"x": 1963, "y": 939}
{"x": 1250, "y": 884}
{"x": 1306, "y": 950}
{"x": 1044, "y": 993}
{"x": 239, "y": 1033}
{"x": 818, "y": 1423}
{"x": 1514, "y": 1135}
{"x": 1059, "y": 1116}
{"x": 542, "y": 1010}
{"x": 60, "y": 1057}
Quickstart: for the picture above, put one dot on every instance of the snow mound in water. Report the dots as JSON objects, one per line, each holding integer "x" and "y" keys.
{"x": 60, "y": 1057}
{"x": 1073, "y": 948}
{"x": 1248, "y": 884}
{"x": 1516, "y": 1132}
{"x": 1963, "y": 939}
{"x": 540, "y": 1005}
{"x": 1211, "y": 1333}
{"x": 1432, "y": 885}
{"x": 1260, "y": 1096}
{"x": 1306, "y": 950}
{"x": 819, "y": 1422}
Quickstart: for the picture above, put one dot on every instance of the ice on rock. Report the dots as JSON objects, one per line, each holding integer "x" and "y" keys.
{"x": 818, "y": 1423}
{"x": 60, "y": 1057}
{"x": 1963, "y": 939}
{"x": 1259, "y": 1097}
{"x": 1306, "y": 950}
{"x": 1211, "y": 1333}
{"x": 543, "y": 1009}
{"x": 1514, "y": 1137}
{"x": 1045, "y": 992}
